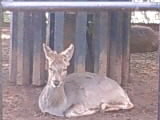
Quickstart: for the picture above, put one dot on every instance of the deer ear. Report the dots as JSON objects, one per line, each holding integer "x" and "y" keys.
{"x": 49, "y": 53}
{"x": 68, "y": 53}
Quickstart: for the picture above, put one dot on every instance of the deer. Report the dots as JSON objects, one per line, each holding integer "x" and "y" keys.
{"x": 80, "y": 93}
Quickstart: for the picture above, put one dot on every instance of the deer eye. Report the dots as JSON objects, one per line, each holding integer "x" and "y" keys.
{"x": 52, "y": 70}
{"x": 65, "y": 59}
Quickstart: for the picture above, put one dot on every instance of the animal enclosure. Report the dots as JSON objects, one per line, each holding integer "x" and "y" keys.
{"x": 105, "y": 51}
{"x": 29, "y": 32}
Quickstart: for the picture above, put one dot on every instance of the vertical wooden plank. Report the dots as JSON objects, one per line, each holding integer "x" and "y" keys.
{"x": 158, "y": 117}
{"x": 1, "y": 102}
{"x": 20, "y": 34}
{"x": 126, "y": 48}
{"x": 28, "y": 48}
{"x": 1, "y": 24}
{"x": 13, "y": 49}
{"x": 80, "y": 42}
{"x": 59, "y": 31}
{"x": 24, "y": 49}
{"x": 38, "y": 55}
{"x": 101, "y": 43}
{"x": 115, "y": 61}
{"x": 20, "y": 43}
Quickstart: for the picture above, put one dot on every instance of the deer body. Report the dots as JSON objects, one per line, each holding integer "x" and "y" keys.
{"x": 81, "y": 94}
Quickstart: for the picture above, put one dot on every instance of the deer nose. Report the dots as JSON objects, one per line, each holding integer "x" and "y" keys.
{"x": 56, "y": 82}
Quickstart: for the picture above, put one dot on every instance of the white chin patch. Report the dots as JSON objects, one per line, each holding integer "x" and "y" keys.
{"x": 53, "y": 85}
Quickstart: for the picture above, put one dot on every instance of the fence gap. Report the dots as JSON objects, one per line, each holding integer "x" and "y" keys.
{"x": 89, "y": 37}
{"x": 51, "y": 25}
{"x": 69, "y": 34}
{"x": 59, "y": 31}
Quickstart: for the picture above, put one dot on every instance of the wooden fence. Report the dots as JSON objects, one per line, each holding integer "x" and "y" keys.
{"x": 104, "y": 50}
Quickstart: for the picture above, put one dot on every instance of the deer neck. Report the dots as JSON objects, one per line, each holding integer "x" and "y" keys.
{"x": 56, "y": 95}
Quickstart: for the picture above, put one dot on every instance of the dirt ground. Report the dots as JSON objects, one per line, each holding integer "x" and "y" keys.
{"x": 20, "y": 103}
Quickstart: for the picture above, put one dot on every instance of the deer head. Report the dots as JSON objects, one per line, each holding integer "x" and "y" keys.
{"x": 57, "y": 64}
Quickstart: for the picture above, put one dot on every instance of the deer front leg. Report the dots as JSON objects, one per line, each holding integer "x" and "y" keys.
{"x": 78, "y": 110}
{"x": 114, "y": 107}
